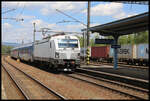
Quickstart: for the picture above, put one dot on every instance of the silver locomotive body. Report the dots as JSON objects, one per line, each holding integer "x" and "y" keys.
{"x": 61, "y": 52}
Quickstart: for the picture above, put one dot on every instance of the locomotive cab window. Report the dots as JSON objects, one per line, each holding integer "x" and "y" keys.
{"x": 68, "y": 43}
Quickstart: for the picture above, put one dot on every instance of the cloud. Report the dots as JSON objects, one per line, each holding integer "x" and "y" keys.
{"x": 63, "y": 5}
{"x": 133, "y": 14}
{"x": 74, "y": 7}
{"x": 25, "y": 30}
{"x": 13, "y": 34}
{"x": 114, "y": 10}
{"x": 37, "y": 21}
{"x": 44, "y": 11}
{"x": 120, "y": 16}
{"x": 94, "y": 24}
{"x": 124, "y": 15}
{"x": 6, "y": 25}
{"x": 27, "y": 17}
{"x": 75, "y": 27}
{"x": 105, "y": 9}
{"x": 60, "y": 27}
{"x": 47, "y": 8}
{"x": 14, "y": 4}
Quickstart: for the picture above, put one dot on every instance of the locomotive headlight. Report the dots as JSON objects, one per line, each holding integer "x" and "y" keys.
{"x": 56, "y": 54}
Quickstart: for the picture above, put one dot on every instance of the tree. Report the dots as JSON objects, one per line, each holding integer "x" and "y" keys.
{"x": 141, "y": 37}
{"x": 130, "y": 39}
{"x": 122, "y": 40}
{"x": 6, "y": 49}
{"x": 81, "y": 41}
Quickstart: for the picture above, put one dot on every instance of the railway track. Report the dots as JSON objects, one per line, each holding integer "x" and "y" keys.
{"x": 117, "y": 87}
{"x": 112, "y": 86}
{"x": 30, "y": 87}
{"x": 144, "y": 84}
{"x": 119, "y": 64}
{"x": 128, "y": 66}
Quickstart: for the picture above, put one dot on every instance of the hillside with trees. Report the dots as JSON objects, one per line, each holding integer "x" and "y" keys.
{"x": 6, "y": 49}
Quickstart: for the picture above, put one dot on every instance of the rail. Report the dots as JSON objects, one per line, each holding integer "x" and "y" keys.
{"x": 106, "y": 87}
{"x": 37, "y": 81}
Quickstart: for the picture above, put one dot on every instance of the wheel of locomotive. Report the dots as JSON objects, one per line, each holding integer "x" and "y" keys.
{"x": 51, "y": 66}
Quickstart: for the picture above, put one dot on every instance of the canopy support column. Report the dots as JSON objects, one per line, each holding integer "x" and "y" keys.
{"x": 115, "y": 51}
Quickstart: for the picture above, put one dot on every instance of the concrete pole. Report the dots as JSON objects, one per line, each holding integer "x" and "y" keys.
{"x": 34, "y": 33}
{"x": 88, "y": 34}
{"x": 84, "y": 44}
{"x": 88, "y": 23}
{"x": 33, "y": 40}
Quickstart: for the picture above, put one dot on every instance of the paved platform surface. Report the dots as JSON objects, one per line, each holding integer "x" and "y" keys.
{"x": 3, "y": 92}
{"x": 125, "y": 71}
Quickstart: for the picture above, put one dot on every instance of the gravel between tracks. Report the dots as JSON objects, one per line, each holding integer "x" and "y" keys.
{"x": 9, "y": 89}
{"x": 34, "y": 90}
{"x": 70, "y": 88}
{"x": 114, "y": 86}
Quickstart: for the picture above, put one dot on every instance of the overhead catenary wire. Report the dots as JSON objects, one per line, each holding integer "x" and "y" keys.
{"x": 16, "y": 7}
{"x": 21, "y": 11}
{"x": 146, "y": 2}
{"x": 9, "y": 10}
{"x": 71, "y": 17}
{"x": 60, "y": 32}
{"x": 65, "y": 21}
{"x": 134, "y": 2}
{"x": 12, "y": 18}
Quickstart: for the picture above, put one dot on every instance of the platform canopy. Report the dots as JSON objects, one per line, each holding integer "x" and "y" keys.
{"x": 130, "y": 25}
{"x": 124, "y": 26}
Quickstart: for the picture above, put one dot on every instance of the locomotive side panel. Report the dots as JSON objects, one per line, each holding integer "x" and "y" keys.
{"x": 52, "y": 49}
{"x": 42, "y": 50}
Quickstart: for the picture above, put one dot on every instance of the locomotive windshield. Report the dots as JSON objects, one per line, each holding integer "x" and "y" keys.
{"x": 68, "y": 43}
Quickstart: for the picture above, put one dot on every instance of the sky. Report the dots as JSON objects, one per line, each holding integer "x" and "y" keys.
{"x": 44, "y": 14}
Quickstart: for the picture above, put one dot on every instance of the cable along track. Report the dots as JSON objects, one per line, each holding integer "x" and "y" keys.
{"x": 30, "y": 87}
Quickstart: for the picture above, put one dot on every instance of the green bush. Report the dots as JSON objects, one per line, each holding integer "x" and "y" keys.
{"x": 6, "y": 49}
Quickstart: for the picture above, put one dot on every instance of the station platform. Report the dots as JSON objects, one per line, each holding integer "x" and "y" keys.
{"x": 123, "y": 71}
